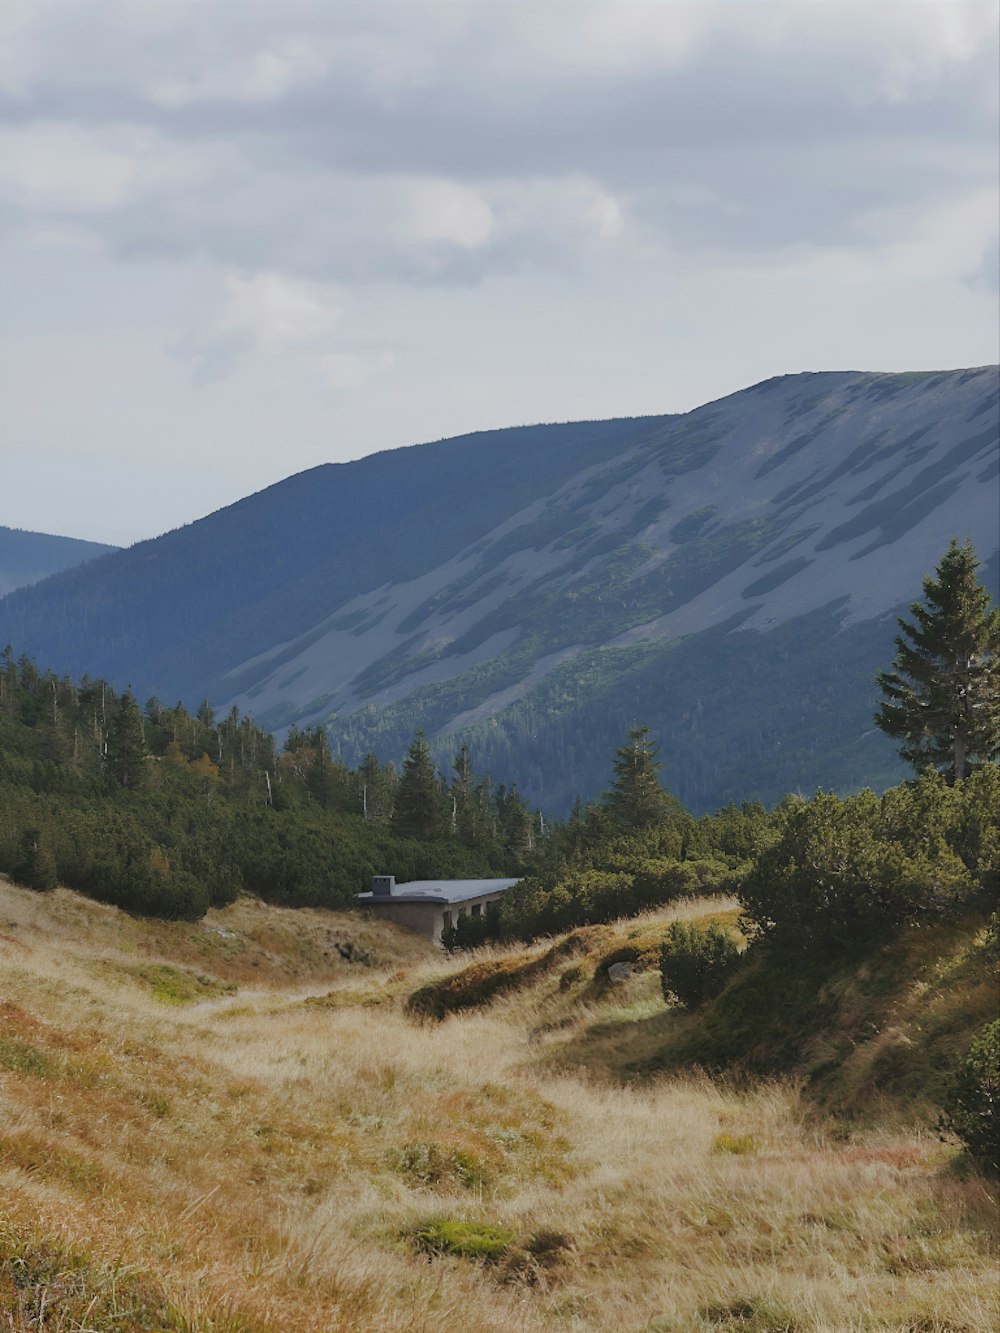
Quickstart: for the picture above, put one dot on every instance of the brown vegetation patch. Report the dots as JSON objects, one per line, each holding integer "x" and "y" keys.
{"x": 477, "y": 985}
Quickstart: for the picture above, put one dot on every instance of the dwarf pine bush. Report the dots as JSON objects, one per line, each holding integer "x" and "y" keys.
{"x": 695, "y": 962}
{"x": 972, "y": 1108}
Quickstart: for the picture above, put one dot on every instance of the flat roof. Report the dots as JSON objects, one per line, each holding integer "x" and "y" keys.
{"x": 446, "y": 891}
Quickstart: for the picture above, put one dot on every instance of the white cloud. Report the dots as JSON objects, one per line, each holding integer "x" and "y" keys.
{"x": 428, "y": 211}
{"x": 59, "y": 167}
{"x": 274, "y": 310}
{"x": 265, "y": 312}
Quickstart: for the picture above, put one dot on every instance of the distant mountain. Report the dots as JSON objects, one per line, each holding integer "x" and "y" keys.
{"x": 28, "y": 557}
{"x": 729, "y": 576}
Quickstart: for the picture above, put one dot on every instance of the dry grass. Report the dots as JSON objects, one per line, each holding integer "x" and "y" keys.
{"x": 303, "y": 1154}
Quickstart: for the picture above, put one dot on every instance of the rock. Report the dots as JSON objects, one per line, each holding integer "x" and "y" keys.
{"x": 619, "y": 972}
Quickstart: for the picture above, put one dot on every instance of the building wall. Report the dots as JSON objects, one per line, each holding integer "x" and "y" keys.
{"x": 427, "y": 918}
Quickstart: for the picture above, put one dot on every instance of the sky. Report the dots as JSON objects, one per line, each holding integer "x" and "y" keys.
{"x": 240, "y": 238}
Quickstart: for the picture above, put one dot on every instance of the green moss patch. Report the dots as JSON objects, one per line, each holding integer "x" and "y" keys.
{"x": 485, "y": 1242}
{"x": 175, "y": 985}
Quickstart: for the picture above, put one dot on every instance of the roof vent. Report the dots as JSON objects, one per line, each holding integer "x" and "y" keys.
{"x": 383, "y": 885}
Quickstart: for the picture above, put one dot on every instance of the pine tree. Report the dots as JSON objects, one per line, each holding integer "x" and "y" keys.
{"x": 126, "y": 746}
{"x": 942, "y": 698}
{"x": 515, "y": 825}
{"x": 467, "y": 823}
{"x": 636, "y": 799}
{"x": 419, "y": 811}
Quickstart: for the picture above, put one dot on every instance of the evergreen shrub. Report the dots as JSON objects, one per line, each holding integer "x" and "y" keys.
{"x": 696, "y": 962}
{"x": 846, "y": 870}
{"x": 36, "y": 867}
{"x": 972, "y": 1108}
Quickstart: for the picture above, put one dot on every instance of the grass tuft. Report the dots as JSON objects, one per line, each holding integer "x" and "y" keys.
{"x": 737, "y": 1145}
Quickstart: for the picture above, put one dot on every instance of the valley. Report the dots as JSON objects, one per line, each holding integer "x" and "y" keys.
{"x": 228, "y": 1126}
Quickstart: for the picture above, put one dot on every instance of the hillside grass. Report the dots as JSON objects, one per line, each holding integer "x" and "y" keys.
{"x": 233, "y": 1127}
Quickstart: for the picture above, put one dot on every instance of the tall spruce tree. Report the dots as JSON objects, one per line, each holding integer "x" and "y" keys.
{"x": 942, "y": 698}
{"x": 420, "y": 807}
{"x": 126, "y": 743}
{"x": 636, "y": 799}
{"x": 467, "y": 820}
{"x": 516, "y": 828}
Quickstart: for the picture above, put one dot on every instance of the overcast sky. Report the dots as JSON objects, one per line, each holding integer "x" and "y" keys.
{"x": 238, "y": 239}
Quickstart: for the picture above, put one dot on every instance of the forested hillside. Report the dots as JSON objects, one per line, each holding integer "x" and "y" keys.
{"x": 28, "y": 557}
{"x": 168, "y": 813}
{"x": 730, "y": 576}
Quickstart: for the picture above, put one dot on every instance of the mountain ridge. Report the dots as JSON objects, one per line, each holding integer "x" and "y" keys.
{"x": 487, "y": 587}
{"x": 28, "y": 557}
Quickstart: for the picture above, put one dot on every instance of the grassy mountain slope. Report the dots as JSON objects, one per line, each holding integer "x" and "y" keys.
{"x": 229, "y": 1127}
{"x": 28, "y": 557}
{"x": 727, "y": 576}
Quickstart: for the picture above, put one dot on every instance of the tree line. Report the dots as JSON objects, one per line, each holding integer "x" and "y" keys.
{"x": 164, "y": 811}
{"x": 168, "y": 812}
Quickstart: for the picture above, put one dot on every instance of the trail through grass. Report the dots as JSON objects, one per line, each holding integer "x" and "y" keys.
{"x": 307, "y": 1153}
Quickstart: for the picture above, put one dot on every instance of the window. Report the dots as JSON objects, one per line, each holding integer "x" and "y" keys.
{"x": 477, "y": 909}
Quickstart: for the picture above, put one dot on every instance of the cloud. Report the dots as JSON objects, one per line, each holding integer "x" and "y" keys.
{"x": 257, "y": 311}
{"x": 274, "y": 310}
{"x": 55, "y": 167}
{"x": 393, "y": 220}
{"x": 362, "y": 143}
{"x": 985, "y": 276}
{"x": 266, "y": 75}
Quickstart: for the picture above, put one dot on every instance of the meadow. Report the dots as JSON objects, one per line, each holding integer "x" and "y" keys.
{"x": 246, "y": 1123}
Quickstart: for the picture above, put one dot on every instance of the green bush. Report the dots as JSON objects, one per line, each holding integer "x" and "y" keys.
{"x": 972, "y": 1108}
{"x": 842, "y": 871}
{"x": 696, "y": 962}
{"x": 988, "y": 942}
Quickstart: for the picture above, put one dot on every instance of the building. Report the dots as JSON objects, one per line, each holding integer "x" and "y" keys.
{"x": 430, "y": 905}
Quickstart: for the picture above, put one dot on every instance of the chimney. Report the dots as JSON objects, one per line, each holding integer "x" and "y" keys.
{"x": 383, "y": 885}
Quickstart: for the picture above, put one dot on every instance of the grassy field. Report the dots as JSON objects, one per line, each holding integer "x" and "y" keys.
{"x": 257, "y": 1122}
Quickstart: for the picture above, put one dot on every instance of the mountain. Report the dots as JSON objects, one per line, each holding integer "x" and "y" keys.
{"x": 27, "y": 557}
{"x": 729, "y": 576}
